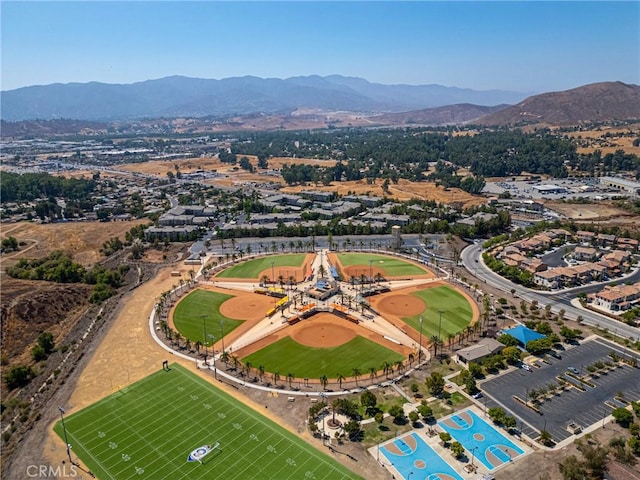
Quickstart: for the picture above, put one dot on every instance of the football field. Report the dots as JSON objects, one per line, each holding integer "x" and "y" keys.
{"x": 148, "y": 430}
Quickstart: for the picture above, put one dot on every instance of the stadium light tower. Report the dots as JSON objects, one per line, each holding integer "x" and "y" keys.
{"x": 420, "y": 343}
{"x": 204, "y": 336}
{"x": 64, "y": 429}
{"x": 213, "y": 354}
{"x": 222, "y": 334}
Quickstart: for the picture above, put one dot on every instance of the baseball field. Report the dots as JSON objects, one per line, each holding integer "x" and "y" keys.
{"x": 254, "y": 269}
{"x": 354, "y": 264}
{"x": 286, "y": 356}
{"x": 150, "y": 428}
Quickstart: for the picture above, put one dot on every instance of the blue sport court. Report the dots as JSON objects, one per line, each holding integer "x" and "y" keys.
{"x": 479, "y": 438}
{"x": 412, "y": 457}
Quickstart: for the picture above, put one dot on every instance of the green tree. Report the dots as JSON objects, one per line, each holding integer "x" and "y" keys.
{"x": 414, "y": 417}
{"x": 397, "y": 412}
{"x": 45, "y": 340}
{"x": 368, "y": 400}
{"x": 623, "y": 416}
{"x": 457, "y": 449}
{"x": 445, "y": 437}
{"x": 352, "y": 427}
{"x": 18, "y": 376}
{"x": 511, "y": 355}
{"x": 435, "y": 383}
{"x": 425, "y": 410}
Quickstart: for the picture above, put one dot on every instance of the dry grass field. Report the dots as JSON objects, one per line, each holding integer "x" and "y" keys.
{"x": 403, "y": 190}
{"x": 80, "y": 239}
{"x": 608, "y": 139}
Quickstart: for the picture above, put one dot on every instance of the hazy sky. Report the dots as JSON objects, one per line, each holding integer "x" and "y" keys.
{"x": 522, "y": 46}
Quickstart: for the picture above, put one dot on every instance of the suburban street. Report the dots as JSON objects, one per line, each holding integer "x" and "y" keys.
{"x": 471, "y": 258}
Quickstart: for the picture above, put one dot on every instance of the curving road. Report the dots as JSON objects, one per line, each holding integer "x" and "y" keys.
{"x": 471, "y": 258}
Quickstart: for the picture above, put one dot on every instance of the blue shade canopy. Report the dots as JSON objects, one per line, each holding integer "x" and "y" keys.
{"x": 523, "y": 334}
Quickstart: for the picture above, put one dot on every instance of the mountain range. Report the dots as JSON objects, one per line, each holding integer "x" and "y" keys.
{"x": 193, "y": 97}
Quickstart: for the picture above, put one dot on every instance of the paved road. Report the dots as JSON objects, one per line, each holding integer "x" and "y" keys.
{"x": 471, "y": 258}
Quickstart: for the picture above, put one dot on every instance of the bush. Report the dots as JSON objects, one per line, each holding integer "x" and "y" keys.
{"x": 18, "y": 376}
{"x": 623, "y": 416}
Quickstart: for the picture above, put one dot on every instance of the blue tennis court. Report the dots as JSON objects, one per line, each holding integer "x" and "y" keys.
{"x": 480, "y": 439}
{"x": 412, "y": 457}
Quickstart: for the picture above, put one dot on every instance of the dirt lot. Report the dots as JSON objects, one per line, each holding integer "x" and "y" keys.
{"x": 592, "y": 211}
{"x": 403, "y": 190}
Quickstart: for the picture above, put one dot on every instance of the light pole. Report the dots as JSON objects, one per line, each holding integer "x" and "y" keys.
{"x": 273, "y": 277}
{"x": 324, "y": 399}
{"x": 213, "y": 354}
{"x": 440, "y": 312}
{"x": 204, "y": 336}
{"x": 473, "y": 452}
{"x": 222, "y": 334}
{"x": 370, "y": 271}
{"x": 420, "y": 343}
{"x": 64, "y": 429}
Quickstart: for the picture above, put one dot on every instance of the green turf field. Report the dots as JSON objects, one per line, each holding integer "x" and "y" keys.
{"x": 148, "y": 429}
{"x": 391, "y": 266}
{"x": 252, "y": 268}
{"x": 287, "y": 356}
{"x": 188, "y": 316}
{"x": 457, "y": 313}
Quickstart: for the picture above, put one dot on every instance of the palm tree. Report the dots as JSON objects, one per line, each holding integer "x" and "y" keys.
{"x": 335, "y": 406}
{"x": 322, "y": 271}
{"x": 356, "y": 374}
{"x": 225, "y": 358}
{"x": 290, "y": 377}
{"x": 385, "y": 368}
{"x": 324, "y": 381}
{"x": 265, "y": 279}
{"x": 198, "y": 344}
{"x": 261, "y": 372}
{"x": 247, "y": 368}
{"x": 399, "y": 366}
{"x": 372, "y": 373}
{"x": 450, "y": 337}
{"x": 235, "y": 362}
{"x": 411, "y": 359}
{"x": 340, "y": 379}
{"x": 276, "y": 378}
{"x": 434, "y": 340}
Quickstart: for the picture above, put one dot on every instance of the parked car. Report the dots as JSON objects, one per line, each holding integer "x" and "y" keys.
{"x": 573, "y": 370}
{"x": 555, "y": 354}
{"x": 527, "y": 367}
{"x": 477, "y": 395}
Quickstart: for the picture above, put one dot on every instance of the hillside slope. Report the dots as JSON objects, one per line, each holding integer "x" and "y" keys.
{"x": 596, "y": 102}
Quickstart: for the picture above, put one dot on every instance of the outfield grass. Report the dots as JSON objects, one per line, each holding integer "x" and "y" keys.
{"x": 457, "y": 312}
{"x": 288, "y": 356}
{"x": 202, "y": 306}
{"x": 252, "y": 268}
{"x": 391, "y": 266}
{"x": 148, "y": 429}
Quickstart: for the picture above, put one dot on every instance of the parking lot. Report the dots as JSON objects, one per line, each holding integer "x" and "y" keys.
{"x": 584, "y": 408}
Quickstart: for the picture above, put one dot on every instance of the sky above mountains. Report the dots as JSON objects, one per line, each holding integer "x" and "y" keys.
{"x": 522, "y": 46}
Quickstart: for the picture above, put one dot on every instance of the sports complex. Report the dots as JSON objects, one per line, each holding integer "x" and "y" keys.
{"x": 301, "y": 324}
